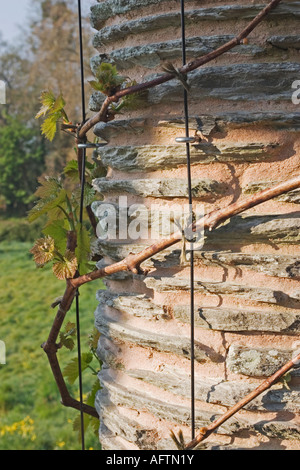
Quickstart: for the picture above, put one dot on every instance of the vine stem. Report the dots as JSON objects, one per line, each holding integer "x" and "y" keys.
{"x": 132, "y": 263}
{"x": 210, "y": 221}
{"x": 265, "y": 385}
{"x": 102, "y": 114}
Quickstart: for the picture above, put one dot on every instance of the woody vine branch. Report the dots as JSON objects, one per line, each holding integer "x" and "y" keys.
{"x": 66, "y": 263}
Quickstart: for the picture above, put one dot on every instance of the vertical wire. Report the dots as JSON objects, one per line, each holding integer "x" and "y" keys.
{"x": 192, "y": 314}
{"x": 81, "y": 61}
{"x": 81, "y": 220}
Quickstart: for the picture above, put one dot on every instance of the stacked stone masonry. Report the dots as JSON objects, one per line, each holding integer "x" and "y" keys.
{"x": 247, "y": 291}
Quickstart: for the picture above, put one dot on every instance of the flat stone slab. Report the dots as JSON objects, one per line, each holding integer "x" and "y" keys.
{"x": 265, "y": 81}
{"x": 255, "y": 187}
{"x": 125, "y": 332}
{"x": 152, "y": 55}
{"x": 218, "y": 319}
{"x": 273, "y": 265}
{"x": 162, "y": 157}
{"x": 102, "y": 12}
{"x": 208, "y": 123}
{"x": 218, "y": 391}
{"x": 264, "y": 295}
{"x": 259, "y": 362}
{"x": 160, "y": 187}
{"x": 170, "y": 411}
{"x": 285, "y": 42}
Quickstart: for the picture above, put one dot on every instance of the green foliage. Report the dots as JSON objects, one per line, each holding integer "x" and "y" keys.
{"x": 130, "y": 102}
{"x": 83, "y": 249}
{"x": 51, "y": 195}
{"x": 20, "y": 230}
{"x": 22, "y": 160}
{"x": 89, "y": 360}
{"x": 89, "y": 421}
{"x": 66, "y": 337}
{"x": 25, "y": 295}
{"x": 53, "y": 111}
{"x": 67, "y": 240}
{"x": 108, "y": 80}
{"x": 59, "y": 200}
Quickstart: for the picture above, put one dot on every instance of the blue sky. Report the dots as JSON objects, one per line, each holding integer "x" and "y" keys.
{"x": 14, "y": 13}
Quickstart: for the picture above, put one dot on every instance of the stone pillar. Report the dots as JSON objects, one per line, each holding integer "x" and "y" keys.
{"x": 247, "y": 292}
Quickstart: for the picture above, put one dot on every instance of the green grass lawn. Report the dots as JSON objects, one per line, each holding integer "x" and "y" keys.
{"x": 31, "y": 416}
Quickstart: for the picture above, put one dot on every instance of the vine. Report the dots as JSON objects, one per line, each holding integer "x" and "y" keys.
{"x": 67, "y": 242}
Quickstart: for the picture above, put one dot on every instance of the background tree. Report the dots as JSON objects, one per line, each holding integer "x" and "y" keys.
{"x": 46, "y": 56}
{"x": 21, "y": 162}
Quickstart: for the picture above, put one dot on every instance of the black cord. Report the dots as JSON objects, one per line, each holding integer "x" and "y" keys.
{"x": 81, "y": 61}
{"x": 192, "y": 315}
{"x": 81, "y": 220}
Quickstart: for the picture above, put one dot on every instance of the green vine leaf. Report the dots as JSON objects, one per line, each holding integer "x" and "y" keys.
{"x": 47, "y": 100}
{"x": 89, "y": 421}
{"x": 51, "y": 194}
{"x": 71, "y": 170}
{"x": 130, "y": 102}
{"x": 83, "y": 250}
{"x": 53, "y": 108}
{"x": 66, "y": 337}
{"x": 71, "y": 371}
{"x": 89, "y": 195}
{"x": 58, "y": 232}
{"x": 108, "y": 80}
{"x": 94, "y": 339}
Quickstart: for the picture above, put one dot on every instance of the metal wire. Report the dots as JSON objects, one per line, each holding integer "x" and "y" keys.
{"x": 187, "y": 143}
{"x": 81, "y": 220}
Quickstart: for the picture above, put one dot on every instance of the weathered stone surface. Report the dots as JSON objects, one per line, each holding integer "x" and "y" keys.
{"x": 208, "y": 124}
{"x": 100, "y": 13}
{"x": 273, "y": 265}
{"x": 162, "y": 222}
{"x": 221, "y": 319}
{"x": 109, "y": 130}
{"x": 237, "y": 320}
{"x": 220, "y": 392}
{"x": 257, "y": 362}
{"x": 96, "y": 101}
{"x": 151, "y": 55}
{"x": 119, "y": 331}
{"x": 265, "y": 81}
{"x": 285, "y": 42}
{"x": 278, "y": 229}
{"x": 160, "y": 188}
{"x": 279, "y": 429}
{"x": 110, "y": 8}
{"x": 291, "y": 196}
{"x": 171, "y": 411}
{"x": 143, "y": 437}
{"x": 159, "y": 157}
{"x": 135, "y": 305}
{"x": 265, "y": 295}
{"x": 109, "y": 441}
